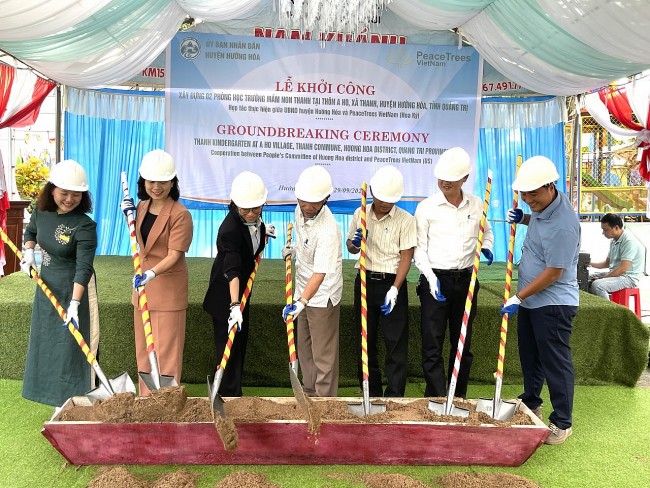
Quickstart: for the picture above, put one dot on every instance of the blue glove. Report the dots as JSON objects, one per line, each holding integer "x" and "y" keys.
{"x": 515, "y": 215}
{"x": 127, "y": 206}
{"x": 488, "y": 255}
{"x": 511, "y": 306}
{"x": 292, "y": 310}
{"x": 356, "y": 239}
{"x": 434, "y": 286}
{"x": 142, "y": 279}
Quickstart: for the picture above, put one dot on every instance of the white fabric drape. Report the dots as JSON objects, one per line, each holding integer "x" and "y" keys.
{"x": 558, "y": 47}
{"x": 217, "y": 10}
{"x": 599, "y": 112}
{"x": 32, "y": 19}
{"x": 522, "y": 66}
{"x": 428, "y": 17}
{"x": 524, "y": 114}
{"x": 600, "y": 25}
{"x": 124, "y": 60}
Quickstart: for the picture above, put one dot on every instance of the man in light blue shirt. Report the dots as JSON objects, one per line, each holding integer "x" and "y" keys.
{"x": 625, "y": 261}
{"x": 547, "y": 293}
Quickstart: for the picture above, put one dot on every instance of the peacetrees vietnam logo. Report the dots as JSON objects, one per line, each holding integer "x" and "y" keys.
{"x": 190, "y": 48}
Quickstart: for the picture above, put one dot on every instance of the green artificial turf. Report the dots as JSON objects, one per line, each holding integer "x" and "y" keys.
{"x": 610, "y": 447}
{"x": 609, "y": 344}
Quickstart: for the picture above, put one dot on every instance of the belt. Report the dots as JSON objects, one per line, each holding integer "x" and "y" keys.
{"x": 453, "y": 272}
{"x": 375, "y": 275}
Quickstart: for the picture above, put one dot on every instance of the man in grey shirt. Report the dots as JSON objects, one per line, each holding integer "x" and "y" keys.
{"x": 625, "y": 261}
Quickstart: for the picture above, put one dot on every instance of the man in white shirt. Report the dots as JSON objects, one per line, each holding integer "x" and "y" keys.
{"x": 447, "y": 228}
{"x": 319, "y": 283}
{"x": 390, "y": 241}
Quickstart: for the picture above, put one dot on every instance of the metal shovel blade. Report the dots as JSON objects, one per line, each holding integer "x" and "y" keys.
{"x": 447, "y": 408}
{"x": 120, "y": 384}
{"x": 366, "y": 408}
{"x": 498, "y": 410}
{"x": 296, "y": 386}
{"x": 150, "y": 380}
{"x": 216, "y": 400}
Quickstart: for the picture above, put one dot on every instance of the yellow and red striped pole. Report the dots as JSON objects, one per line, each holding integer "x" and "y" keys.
{"x": 142, "y": 295}
{"x": 470, "y": 297}
{"x": 364, "y": 301}
{"x": 90, "y": 357}
{"x": 288, "y": 289}
{"x": 506, "y": 296}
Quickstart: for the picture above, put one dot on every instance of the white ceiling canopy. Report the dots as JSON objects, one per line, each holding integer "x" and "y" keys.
{"x": 557, "y": 47}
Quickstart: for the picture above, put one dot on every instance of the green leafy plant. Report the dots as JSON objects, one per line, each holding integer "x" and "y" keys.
{"x": 30, "y": 177}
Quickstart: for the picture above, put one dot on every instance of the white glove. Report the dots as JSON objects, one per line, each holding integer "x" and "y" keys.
{"x": 288, "y": 250}
{"x": 389, "y": 301}
{"x": 27, "y": 263}
{"x": 434, "y": 287}
{"x": 142, "y": 279}
{"x": 235, "y": 318}
{"x": 270, "y": 231}
{"x": 72, "y": 314}
{"x": 292, "y": 310}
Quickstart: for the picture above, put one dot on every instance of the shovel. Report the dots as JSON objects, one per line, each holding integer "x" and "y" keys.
{"x": 153, "y": 380}
{"x": 496, "y": 408}
{"x": 448, "y": 407}
{"x": 296, "y": 386}
{"x": 216, "y": 399}
{"x": 107, "y": 388}
{"x": 366, "y": 408}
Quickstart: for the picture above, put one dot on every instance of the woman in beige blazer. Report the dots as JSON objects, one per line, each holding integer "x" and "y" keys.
{"x": 164, "y": 233}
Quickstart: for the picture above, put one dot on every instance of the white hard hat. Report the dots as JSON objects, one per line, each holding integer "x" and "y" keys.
{"x": 453, "y": 165}
{"x": 248, "y": 190}
{"x": 69, "y": 175}
{"x": 534, "y": 173}
{"x": 314, "y": 185}
{"x": 157, "y": 165}
{"x": 387, "y": 184}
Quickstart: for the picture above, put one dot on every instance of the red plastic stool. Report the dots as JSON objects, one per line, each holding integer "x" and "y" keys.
{"x": 622, "y": 297}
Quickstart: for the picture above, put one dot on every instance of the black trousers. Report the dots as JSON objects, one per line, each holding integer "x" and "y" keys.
{"x": 394, "y": 327}
{"x": 543, "y": 336}
{"x": 231, "y": 381}
{"x": 435, "y": 318}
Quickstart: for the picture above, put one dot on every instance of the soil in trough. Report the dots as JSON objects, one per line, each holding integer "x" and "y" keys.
{"x": 120, "y": 477}
{"x": 172, "y": 405}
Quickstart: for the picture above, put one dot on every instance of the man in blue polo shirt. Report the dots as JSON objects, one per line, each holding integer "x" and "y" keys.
{"x": 624, "y": 263}
{"x": 547, "y": 293}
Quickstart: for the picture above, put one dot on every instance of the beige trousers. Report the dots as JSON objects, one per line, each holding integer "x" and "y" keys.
{"x": 169, "y": 339}
{"x": 317, "y": 335}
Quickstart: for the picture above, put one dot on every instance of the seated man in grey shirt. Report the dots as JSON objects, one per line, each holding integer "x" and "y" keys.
{"x": 625, "y": 262}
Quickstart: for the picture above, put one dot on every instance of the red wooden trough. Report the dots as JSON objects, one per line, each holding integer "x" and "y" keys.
{"x": 288, "y": 442}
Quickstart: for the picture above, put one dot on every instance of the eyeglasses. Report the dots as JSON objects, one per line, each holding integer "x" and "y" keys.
{"x": 246, "y": 211}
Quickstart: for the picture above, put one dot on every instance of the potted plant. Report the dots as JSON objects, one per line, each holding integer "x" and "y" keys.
{"x": 30, "y": 177}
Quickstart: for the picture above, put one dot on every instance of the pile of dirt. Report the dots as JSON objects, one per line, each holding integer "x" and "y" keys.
{"x": 485, "y": 480}
{"x": 116, "y": 477}
{"x": 121, "y": 477}
{"x": 160, "y": 406}
{"x": 245, "y": 479}
{"x": 255, "y": 409}
{"x": 391, "y": 481}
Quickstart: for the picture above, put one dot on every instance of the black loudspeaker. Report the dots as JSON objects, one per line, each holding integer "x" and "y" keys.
{"x": 584, "y": 258}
